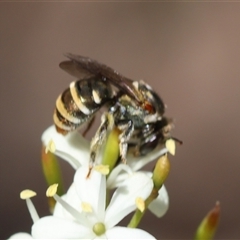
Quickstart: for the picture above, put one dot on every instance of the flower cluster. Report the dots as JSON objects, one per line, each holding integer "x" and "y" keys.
{"x": 88, "y": 210}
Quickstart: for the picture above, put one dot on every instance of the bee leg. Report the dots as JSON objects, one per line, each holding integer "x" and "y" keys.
{"x": 127, "y": 128}
{"x": 97, "y": 141}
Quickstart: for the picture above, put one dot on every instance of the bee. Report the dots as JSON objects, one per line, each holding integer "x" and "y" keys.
{"x": 131, "y": 106}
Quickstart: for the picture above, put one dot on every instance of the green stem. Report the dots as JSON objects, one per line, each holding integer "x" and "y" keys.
{"x": 137, "y": 217}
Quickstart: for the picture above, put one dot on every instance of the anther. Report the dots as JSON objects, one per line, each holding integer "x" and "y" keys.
{"x": 140, "y": 203}
{"x": 171, "y": 146}
{"x": 86, "y": 207}
{"x": 103, "y": 169}
{"x": 52, "y": 190}
{"x": 51, "y": 147}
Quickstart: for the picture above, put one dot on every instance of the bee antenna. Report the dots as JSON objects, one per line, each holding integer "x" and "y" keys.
{"x": 177, "y": 140}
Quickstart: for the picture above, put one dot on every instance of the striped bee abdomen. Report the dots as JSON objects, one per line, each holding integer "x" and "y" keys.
{"x": 78, "y": 103}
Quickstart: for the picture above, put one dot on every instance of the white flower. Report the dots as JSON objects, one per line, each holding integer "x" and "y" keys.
{"x": 81, "y": 213}
{"x": 21, "y": 235}
{"x": 75, "y": 149}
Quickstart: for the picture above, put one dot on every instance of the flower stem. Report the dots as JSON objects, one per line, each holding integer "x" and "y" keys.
{"x": 137, "y": 217}
{"x": 160, "y": 173}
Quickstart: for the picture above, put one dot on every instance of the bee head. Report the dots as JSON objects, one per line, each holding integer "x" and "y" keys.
{"x": 149, "y": 101}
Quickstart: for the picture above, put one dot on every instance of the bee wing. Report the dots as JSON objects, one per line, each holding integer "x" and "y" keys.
{"x": 75, "y": 70}
{"x": 84, "y": 67}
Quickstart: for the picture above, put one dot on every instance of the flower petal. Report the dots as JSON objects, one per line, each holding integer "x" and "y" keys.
{"x": 56, "y": 228}
{"x": 160, "y": 205}
{"x": 91, "y": 190}
{"x": 137, "y": 185}
{"x": 21, "y": 235}
{"x": 138, "y": 162}
{"x": 72, "y": 148}
{"x": 118, "y": 175}
{"x": 127, "y": 233}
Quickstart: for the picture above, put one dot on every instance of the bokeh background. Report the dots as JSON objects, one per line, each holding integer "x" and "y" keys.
{"x": 189, "y": 52}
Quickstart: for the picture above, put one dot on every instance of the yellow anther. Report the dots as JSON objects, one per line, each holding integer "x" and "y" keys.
{"x": 52, "y": 190}
{"x": 51, "y": 147}
{"x": 140, "y": 203}
{"x": 86, "y": 207}
{"x": 171, "y": 146}
{"x": 103, "y": 169}
{"x": 25, "y": 194}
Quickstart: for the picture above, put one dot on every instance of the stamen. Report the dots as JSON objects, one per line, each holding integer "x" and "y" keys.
{"x": 86, "y": 207}
{"x": 51, "y": 147}
{"x": 103, "y": 169}
{"x": 51, "y": 192}
{"x": 140, "y": 203}
{"x": 148, "y": 158}
{"x": 26, "y": 195}
{"x": 171, "y": 146}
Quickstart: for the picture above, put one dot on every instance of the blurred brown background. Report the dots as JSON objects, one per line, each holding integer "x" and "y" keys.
{"x": 189, "y": 53}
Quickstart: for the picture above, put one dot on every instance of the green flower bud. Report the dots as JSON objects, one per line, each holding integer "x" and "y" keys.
{"x": 161, "y": 171}
{"x": 209, "y": 224}
{"x": 52, "y": 173}
{"x": 111, "y": 151}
